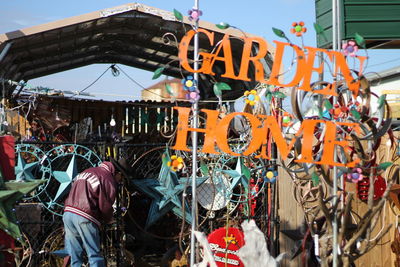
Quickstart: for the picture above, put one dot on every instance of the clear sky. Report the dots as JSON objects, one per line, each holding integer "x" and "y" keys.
{"x": 253, "y": 16}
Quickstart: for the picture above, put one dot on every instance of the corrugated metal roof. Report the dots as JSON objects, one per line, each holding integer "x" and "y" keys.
{"x": 130, "y": 34}
{"x": 377, "y": 21}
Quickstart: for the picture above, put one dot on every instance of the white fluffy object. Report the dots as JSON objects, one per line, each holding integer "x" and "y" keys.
{"x": 255, "y": 252}
{"x": 208, "y": 257}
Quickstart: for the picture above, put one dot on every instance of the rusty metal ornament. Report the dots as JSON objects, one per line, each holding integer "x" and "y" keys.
{"x": 395, "y": 246}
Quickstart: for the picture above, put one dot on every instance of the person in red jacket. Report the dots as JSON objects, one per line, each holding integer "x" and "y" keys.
{"x": 88, "y": 206}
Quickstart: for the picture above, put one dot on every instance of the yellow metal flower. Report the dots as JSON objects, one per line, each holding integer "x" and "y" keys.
{"x": 176, "y": 163}
{"x": 251, "y": 97}
{"x": 230, "y": 239}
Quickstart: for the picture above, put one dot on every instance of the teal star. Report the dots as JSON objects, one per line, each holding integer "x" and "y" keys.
{"x": 241, "y": 174}
{"x": 166, "y": 192}
{"x": 167, "y": 188}
{"x": 23, "y": 170}
{"x": 65, "y": 178}
{"x": 156, "y": 212}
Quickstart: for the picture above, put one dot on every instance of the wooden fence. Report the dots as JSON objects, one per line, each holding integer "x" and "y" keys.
{"x": 292, "y": 216}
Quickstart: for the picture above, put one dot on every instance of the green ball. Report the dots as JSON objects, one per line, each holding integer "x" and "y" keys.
{"x": 286, "y": 119}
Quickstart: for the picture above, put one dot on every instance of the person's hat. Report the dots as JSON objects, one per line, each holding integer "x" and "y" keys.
{"x": 123, "y": 166}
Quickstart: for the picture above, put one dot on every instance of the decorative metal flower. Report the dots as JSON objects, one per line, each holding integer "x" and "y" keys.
{"x": 176, "y": 163}
{"x": 338, "y": 111}
{"x": 350, "y": 48}
{"x": 298, "y": 28}
{"x": 189, "y": 84}
{"x": 194, "y": 14}
{"x": 355, "y": 175}
{"x": 355, "y": 105}
{"x": 193, "y": 96}
{"x": 287, "y": 119}
{"x": 270, "y": 175}
{"x": 251, "y": 97}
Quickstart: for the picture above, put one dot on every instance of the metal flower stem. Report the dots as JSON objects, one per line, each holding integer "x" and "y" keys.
{"x": 195, "y": 123}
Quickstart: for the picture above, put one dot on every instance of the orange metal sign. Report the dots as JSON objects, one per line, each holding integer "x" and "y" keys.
{"x": 305, "y": 62}
{"x": 260, "y": 126}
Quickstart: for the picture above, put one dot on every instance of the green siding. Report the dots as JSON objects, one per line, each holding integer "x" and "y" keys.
{"x": 373, "y": 19}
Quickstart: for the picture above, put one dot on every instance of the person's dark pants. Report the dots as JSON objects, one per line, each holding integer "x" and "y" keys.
{"x": 82, "y": 234}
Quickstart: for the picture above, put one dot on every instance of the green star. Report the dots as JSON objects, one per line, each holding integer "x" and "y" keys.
{"x": 10, "y": 194}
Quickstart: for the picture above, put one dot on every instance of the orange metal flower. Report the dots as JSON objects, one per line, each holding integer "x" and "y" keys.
{"x": 298, "y": 28}
{"x": 176, "y": 163}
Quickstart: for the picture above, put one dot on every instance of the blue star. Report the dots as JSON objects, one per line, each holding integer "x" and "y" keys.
{"x": 167, "y": 188}
{"x": 241, "y": 174}
{"x": 156, "y": 212}
{"x": 23, "y": 170}
{"x": 166, "y": 192}
{"x": 65, "y": 178}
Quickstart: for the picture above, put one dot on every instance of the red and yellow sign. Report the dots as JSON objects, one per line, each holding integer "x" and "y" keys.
{"x": 225, "y": 244}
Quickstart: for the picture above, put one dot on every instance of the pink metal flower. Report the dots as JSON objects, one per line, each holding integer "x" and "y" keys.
{"x": 350, "y": 48}
{"x": 355, "y": 175}
{"x": 193, "y": 96}
{"x": 194, "y": 14}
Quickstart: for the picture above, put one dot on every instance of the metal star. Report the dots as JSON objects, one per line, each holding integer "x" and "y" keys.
{"x": 156, "y": 212}
{"x": 7, "y": 223}
{"x": 239, "y": 174}
{"x": 65, "y": 178}
{"x": 166, "y": 192}
{"x": 23, "y": 170}
{"x": 11, "y": 193}
{"x": 167, "y": 187}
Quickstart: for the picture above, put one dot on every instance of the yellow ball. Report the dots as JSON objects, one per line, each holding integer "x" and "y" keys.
{"x": 270, "y": 175}
{"x": 189, "y": 83}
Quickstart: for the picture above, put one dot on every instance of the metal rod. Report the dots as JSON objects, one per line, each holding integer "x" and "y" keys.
{"x": 335, "y": 41}
{"x": 3, "y": 95}
{"x": 339, "y": 46}
{"x": 5, "y": 50}
{"x": 195, "y": 123}
{"x": 118, "y": 245}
